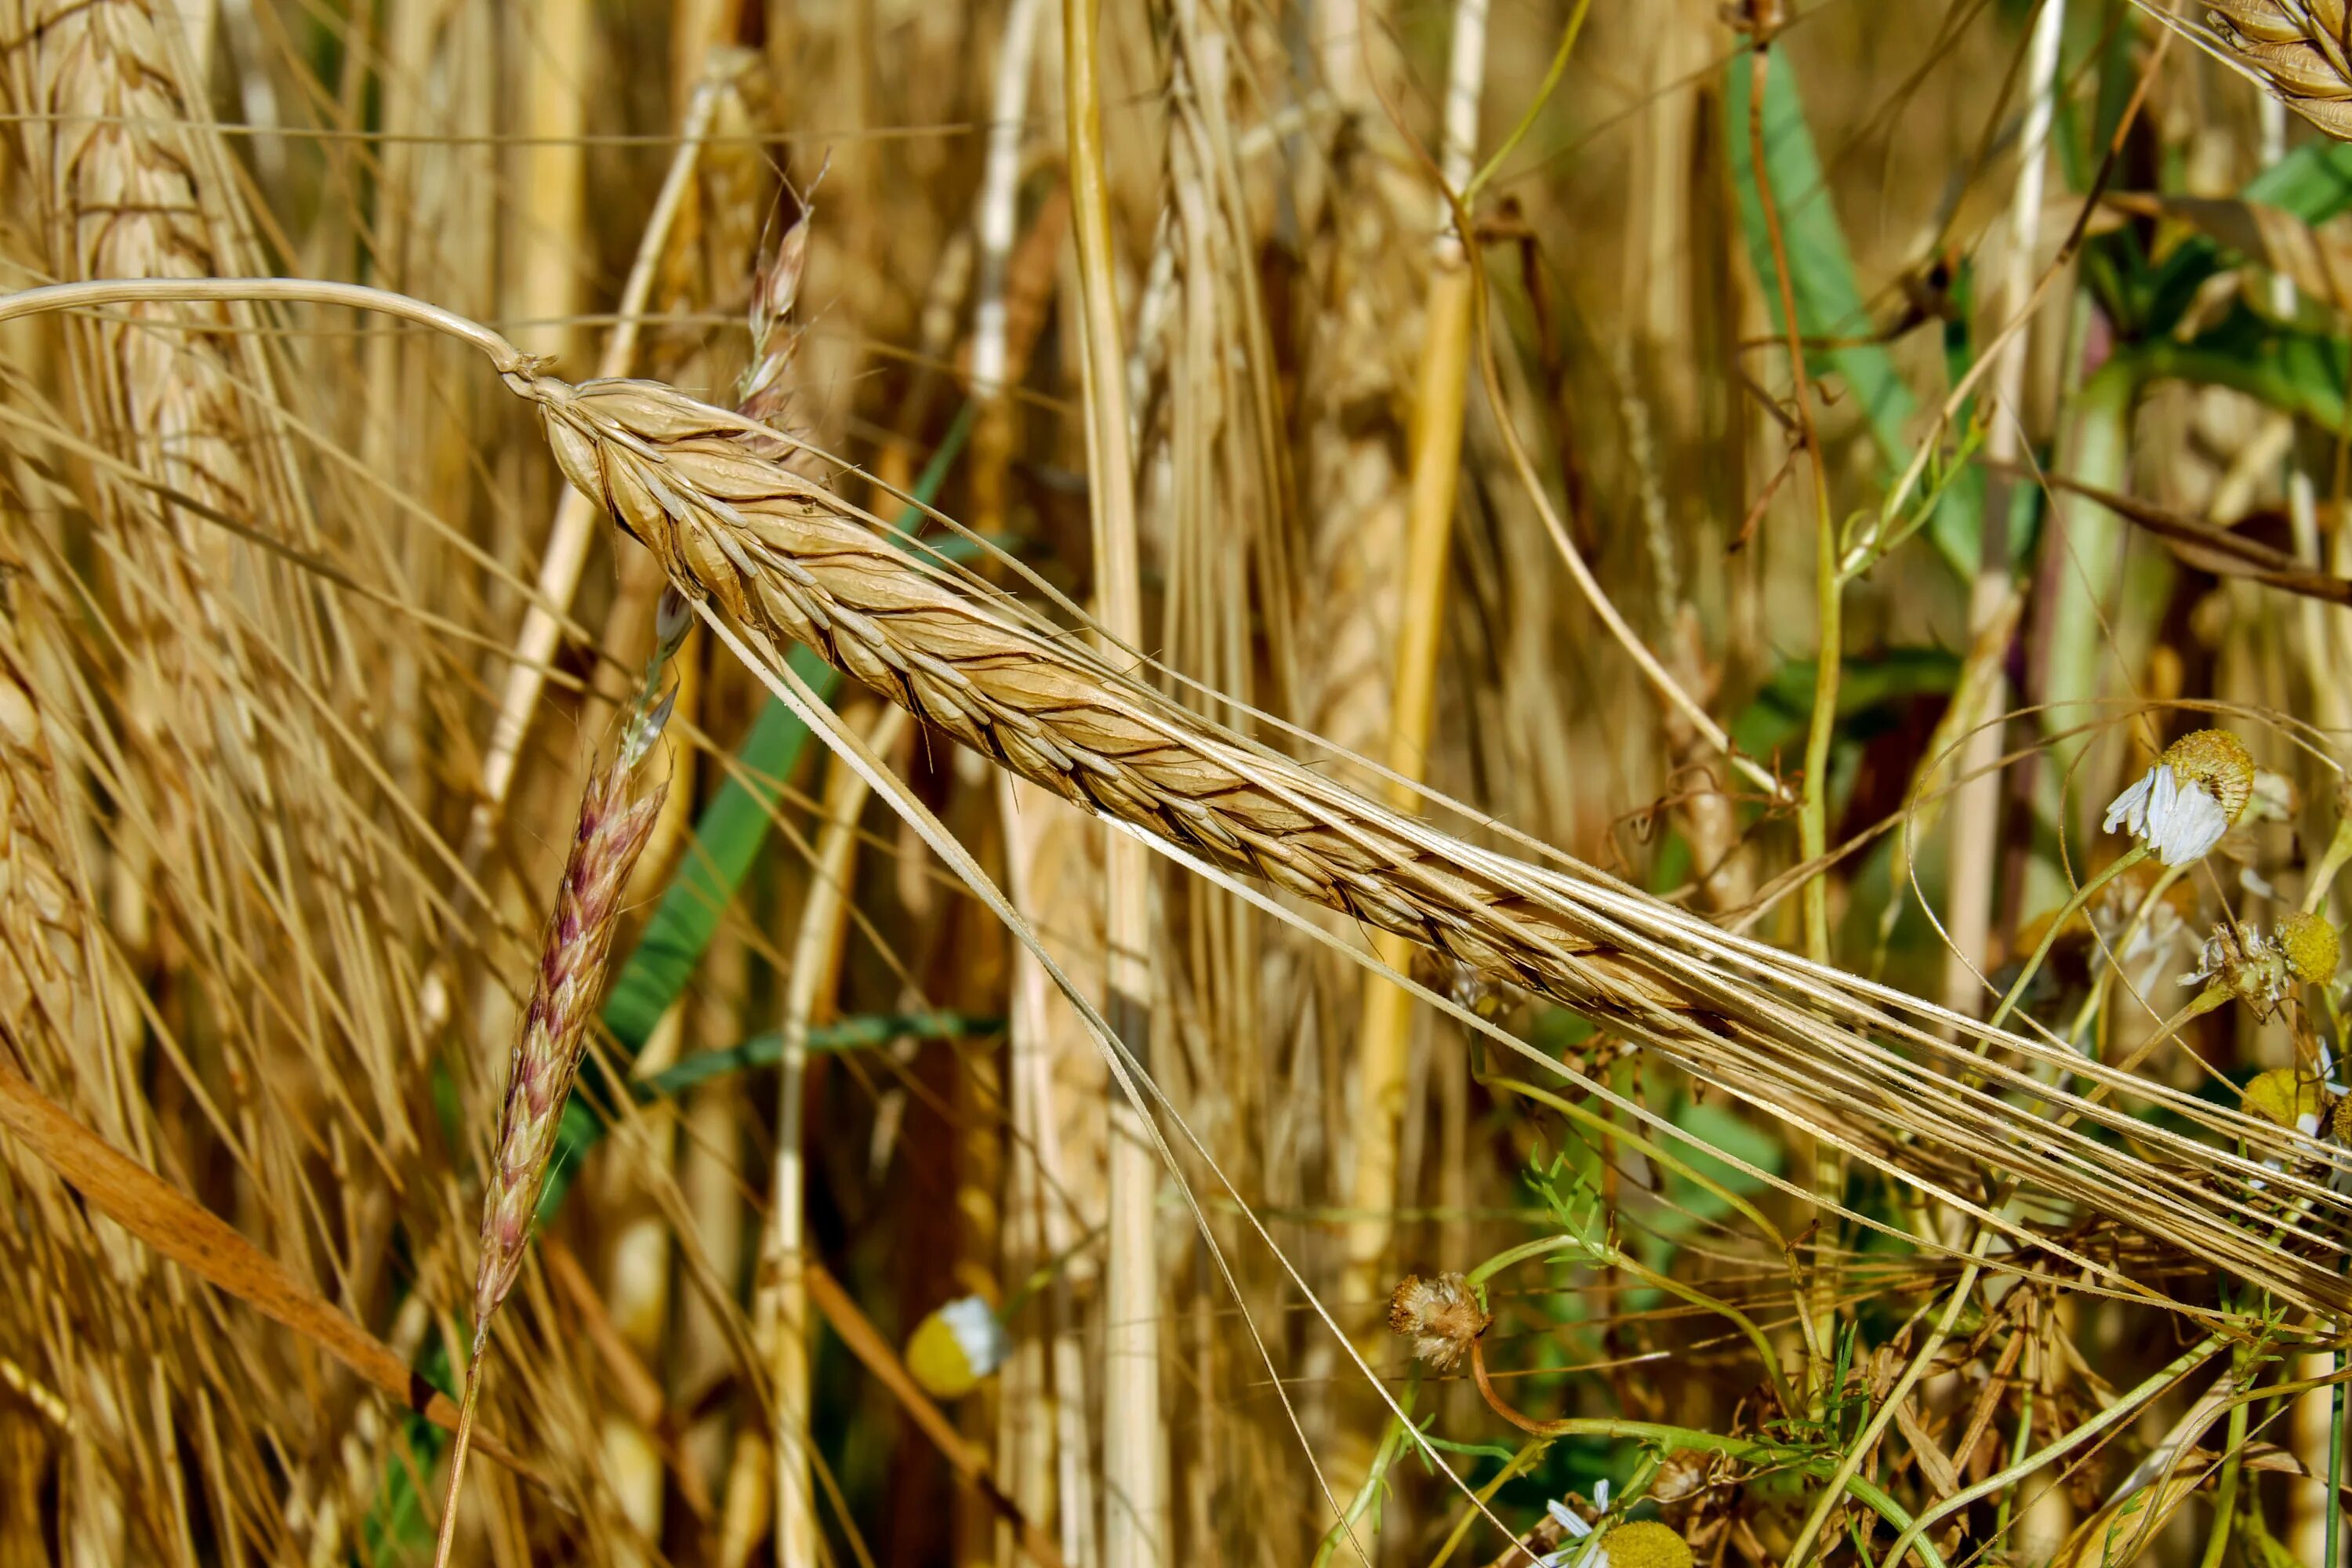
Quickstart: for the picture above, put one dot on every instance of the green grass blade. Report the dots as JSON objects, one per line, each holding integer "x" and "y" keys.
{"x": 2314, "y": 182}
{"x": 727, "y": 840}
{"x": 2301, "y": 372}
{"x": 1830, "y": 305}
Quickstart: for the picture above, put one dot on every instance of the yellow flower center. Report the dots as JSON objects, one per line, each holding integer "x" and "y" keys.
{"x": 1645, "y": 1543}
{"x": 2312, "y": 947}
{"x": 2219, "y": 762}
{"x": 2283, "y": 1096}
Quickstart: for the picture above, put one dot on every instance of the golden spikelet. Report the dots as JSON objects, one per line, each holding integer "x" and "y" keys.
{"x": 2300, "y": 50}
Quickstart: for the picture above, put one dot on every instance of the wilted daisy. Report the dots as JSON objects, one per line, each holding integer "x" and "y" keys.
{"x": 1441, "y": 1316}
{"x": 2180, "y": 807}
{"x": 955, "y": 1346}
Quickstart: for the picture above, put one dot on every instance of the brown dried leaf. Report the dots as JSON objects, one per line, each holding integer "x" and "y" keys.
{"x": 202, "y": 1242}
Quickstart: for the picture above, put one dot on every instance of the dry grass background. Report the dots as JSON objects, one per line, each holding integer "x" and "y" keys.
{"x": 1534, "y": 904}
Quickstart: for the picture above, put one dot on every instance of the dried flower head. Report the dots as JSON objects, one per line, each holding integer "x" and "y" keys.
{"x": 2311, "y": 946}
{"x": 2196, "y": 791}
{"x": 1684, "y": 1473}
{"x": 2285, "y": 1097}
{"x": 2263, "y": 971}
{"x": 2340, "y": 1123}
{"x": 1441, "y": 1316}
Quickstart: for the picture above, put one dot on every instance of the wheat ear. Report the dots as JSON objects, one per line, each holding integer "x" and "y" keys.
{"x": 1914, "y": 1090}
{"x": 2298, "y": 49}
{"x": 792, "y": 562}
{"x": 617, "y": 812}
{"x": 43, "y": 933}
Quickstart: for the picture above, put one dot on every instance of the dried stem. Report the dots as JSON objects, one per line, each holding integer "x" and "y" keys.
{"x": 1134, "y": 1526}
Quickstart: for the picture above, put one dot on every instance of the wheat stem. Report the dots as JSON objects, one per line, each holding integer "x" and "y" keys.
{"x": 1975, "y": 815}
{"x": 447, "y": 1537}
{"x": 816, "y": 970}
{"x": 1384, "y": 1031}
{"x": 1135, "y": 1529}
{"x": 565, "y": 554}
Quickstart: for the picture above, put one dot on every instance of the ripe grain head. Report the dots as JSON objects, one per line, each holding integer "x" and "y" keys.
{"x": 1810, "y": 1045}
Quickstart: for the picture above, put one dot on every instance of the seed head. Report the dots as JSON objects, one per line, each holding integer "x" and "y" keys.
{"x": 1441, "y": 1316}
{"x": 2296, "y": 47}
{"x": 616, "y": 815}
{"x": 2311, "y": 946}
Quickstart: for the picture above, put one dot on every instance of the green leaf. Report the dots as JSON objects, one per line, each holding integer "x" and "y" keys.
{"x": 1714, "y": 1127}
{"x": 2314, "y": 182}
{"x": 1829, "y": 303}
{"x": 2300, "y": 372}
{"x": 727, "y": 840}
{"x": 1779, "y": 713}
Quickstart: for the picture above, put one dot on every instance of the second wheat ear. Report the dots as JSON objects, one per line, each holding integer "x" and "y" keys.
{"x": 617, "y": 812}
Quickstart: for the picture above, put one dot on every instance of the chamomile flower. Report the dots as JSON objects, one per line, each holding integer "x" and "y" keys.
{"x": 1581, "y": 1546}
{"x": 2197, "y": 790}
{"x": 1642, "y": 1544}
{"x": 956, "y": 1346}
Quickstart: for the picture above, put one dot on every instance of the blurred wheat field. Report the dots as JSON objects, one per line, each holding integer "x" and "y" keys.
{"x": 1545, "y": 784}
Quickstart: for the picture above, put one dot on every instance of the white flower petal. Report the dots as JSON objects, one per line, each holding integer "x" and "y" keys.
{"x": 2163, "y": 797}
{"x": 1600, "y": 1495}
{"x": 2307, "y": 1124}
{"x": 982, "y": 1338}
{"x": 2195, "y": 823}
{"x": 2129, "y": 809}
{"x": 1567, "y": 1518}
